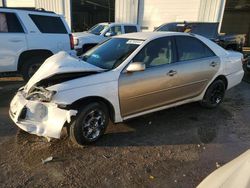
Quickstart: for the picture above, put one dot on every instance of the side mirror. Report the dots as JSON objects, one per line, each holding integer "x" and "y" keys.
{"x": 108, "y": 34}
{"x": 136, "y": 66}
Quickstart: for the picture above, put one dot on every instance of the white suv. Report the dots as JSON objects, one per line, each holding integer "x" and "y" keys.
{"x": 28, "y": 38}
{"x": 99, "y": 33}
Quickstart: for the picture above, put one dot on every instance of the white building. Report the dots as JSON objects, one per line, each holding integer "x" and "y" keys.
{"x": 152, "y": 13}
{"x": 233, "y": 15}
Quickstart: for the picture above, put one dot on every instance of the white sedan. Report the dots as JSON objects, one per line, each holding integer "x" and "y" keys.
{"x": 125, "y": 77}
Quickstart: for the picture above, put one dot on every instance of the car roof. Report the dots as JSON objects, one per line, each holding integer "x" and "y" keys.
{"x": 150, "y": 35}
{"x": 27, "y": 10}
{"x": 112, "y": 23}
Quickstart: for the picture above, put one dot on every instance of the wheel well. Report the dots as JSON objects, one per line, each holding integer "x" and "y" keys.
{"x": 224, "y": 79}
{"x": 31, "y": 53}
{"x": 77, "y": 104}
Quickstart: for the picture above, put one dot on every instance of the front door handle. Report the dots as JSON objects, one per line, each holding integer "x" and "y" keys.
{"x": 172, "y": 73}
{"x": 213, "y": 64}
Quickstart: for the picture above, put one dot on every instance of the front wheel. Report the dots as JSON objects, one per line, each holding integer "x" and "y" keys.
{"x": 214, "y": 94}
{"x": 90, "y": 124}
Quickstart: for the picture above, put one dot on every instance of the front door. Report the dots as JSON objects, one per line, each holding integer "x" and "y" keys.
{"x": 154, "y": 87}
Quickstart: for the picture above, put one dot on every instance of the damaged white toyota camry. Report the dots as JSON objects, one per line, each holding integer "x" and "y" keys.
{"x": 124, "y": 77}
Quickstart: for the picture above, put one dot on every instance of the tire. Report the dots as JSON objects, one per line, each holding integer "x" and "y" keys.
{"x": 30, "y": 66}
{"x": 214, "y": 94}
{"x": 90, "y": 124}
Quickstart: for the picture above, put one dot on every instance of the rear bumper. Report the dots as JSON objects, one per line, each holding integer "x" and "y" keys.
{"x": 234, "y": 78}
{"x": 42, "y": 119}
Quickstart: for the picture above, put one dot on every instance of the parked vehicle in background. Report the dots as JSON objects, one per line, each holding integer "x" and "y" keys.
{"x": 246, "y": 64}
{"x": 125, "y": 77}
{"x": 208, "y": 30}
{"x": 99, "y": 33}
{"x": 29, "y": 37}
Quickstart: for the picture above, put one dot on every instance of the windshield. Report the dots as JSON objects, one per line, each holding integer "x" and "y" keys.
{"x": 111, "y": 53}
{"x": 97, "y": 29}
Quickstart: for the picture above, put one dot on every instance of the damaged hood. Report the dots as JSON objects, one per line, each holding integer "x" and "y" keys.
{"x": 60, "y": 63}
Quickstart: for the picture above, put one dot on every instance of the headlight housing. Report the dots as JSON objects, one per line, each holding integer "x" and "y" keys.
{"x": 40, "y": 94}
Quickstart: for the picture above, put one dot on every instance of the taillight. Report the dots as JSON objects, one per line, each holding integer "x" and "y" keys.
{"x": 76, "y": 42}
{"x": 71, "y": 41}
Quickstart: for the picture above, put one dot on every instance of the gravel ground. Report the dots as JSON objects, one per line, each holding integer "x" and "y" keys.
{"x": 177, "y": 147}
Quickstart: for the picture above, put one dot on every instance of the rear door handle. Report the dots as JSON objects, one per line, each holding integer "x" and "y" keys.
{"x": 213, "y": 64}
{"x": 172, "y": 73}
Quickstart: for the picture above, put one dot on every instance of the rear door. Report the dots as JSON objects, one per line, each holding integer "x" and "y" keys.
{"x": 12, "y": 41}
{"x": 196, "y": 66}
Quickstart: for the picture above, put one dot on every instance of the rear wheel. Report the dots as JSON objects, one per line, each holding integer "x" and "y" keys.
{"x": 90, "y": 123}
{"x": 214, "y": 94}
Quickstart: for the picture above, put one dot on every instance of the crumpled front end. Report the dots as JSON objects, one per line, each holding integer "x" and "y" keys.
{"x": 40, "y": 118}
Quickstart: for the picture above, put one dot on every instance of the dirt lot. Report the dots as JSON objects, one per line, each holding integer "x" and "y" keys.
{"x": 177, "y": 147}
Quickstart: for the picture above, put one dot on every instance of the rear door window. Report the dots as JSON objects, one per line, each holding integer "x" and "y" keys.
{"x": 130, "y": 29}
{"x": 9, "y": 23}
{"x": 190, "y": 48}
{"x": 49, "y": 24}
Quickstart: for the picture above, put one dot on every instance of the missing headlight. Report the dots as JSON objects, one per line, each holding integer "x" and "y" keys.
{"x": 41, "y": 94}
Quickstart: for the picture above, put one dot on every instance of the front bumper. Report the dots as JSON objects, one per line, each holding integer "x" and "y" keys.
{"x": 35, "y": 117}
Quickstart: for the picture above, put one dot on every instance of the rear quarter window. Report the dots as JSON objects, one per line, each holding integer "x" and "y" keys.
{"x": 49, "y": 24}
{"x": 9, "y": 23}
{"x": 130, "y": 29}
